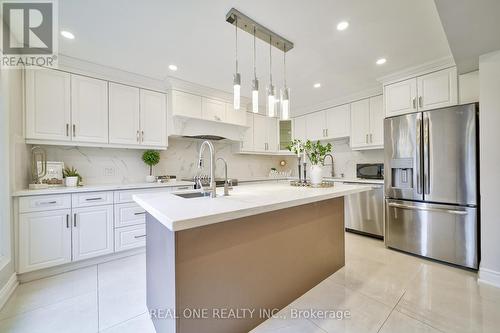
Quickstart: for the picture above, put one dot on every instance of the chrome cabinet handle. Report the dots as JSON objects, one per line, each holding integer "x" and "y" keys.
{"x": 140, "y": 236}
{"x": 47, "y": 202}
{"x": 140, "y": 213}
{"x": 67, "y": 221}
{"x": 183, "y": 188}
{"x": 429, "y": 209}
{"x": 67, "y": 129}
{"x": 414, "y": 102}
{"x": 74, "y": 220}
{"x": 93, "y": 199}
{"x": 142, "y": 136}
{"x": 371, "y": 138}
{"x": 138, "y": 136}
{"x": 74, "y": 130}
{"x": 420, "y": 102}
{"x": 366, "y": 139}
{"x": 326, "y": 132}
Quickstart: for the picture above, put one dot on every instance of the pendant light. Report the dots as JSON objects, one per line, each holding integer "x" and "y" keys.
{"x": 237, "y": 77}
{"x": 255, "y": 82}
{"x": 285, "y": 92}
{"x": 271, "y": 92}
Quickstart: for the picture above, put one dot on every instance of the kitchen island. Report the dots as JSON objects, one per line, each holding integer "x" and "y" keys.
{"x": 226, "y": 264}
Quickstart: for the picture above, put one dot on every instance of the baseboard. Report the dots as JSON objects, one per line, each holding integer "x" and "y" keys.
{"x": 8, "y": 289}
{"x": 489, "y": 276}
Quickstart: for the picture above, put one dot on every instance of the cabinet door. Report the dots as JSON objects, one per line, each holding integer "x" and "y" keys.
{"x": 187, "y": 105}
{"x": 153, "y": 118}
{"x": 272, "y": 134}
{"x": 376, "y": 121}
{"x": 316, "y": 125}
{"x": 89, "y": 109}
{"x": 259, "y": 132}
{"x": 124, "y": 116}
{"x": 299, "y": 128}
{"x": 438, "y": 89}
{"x": 400, "y": 97}
{"x": 338, "y": 121}
{"x": 44, "y": 239}
{"x": 212, "y": 109}
{"x": 92, "y": 231}
{"x": 360, "y": 123}
{"x": 247, "y": 144}
{"x": 48, "y": 108}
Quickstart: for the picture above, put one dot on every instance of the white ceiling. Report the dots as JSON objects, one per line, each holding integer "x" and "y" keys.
{"x": 144, "y": 37}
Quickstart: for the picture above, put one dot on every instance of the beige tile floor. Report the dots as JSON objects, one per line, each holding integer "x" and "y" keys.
{"x": 383, "y": 291}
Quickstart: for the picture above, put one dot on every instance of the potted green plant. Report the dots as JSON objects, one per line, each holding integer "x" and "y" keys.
{"x": 71, "y": 177}
{"x": 316, "y": 153}
{"x": 151, "y": 158}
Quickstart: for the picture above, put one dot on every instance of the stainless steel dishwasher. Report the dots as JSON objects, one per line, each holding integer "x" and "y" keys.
{"x": 364, "y": 212}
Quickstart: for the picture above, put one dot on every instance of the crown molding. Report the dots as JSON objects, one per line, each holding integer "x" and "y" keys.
{"x": 370, "y": 92}
{"x": 422, "y": 69}
{"x": 88, "y": 68}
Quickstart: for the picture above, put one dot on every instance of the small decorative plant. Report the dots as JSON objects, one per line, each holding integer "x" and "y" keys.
{"x": 72, "y": 176}
{"x": 151, "y": 158}
{"x": 316, "y": 152}
{"x": 296, "y": 147}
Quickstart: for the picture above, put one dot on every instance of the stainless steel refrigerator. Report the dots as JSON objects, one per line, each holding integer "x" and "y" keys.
{"x": 431, "y": 184}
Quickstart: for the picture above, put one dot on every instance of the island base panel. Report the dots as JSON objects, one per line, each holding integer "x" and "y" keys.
{"x": 258, "y": 263}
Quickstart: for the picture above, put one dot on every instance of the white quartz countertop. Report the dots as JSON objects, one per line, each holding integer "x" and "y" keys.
{"x": 178, "y": 213}
{"x": 95, "y": 188}
{"x": 356, "y": 180}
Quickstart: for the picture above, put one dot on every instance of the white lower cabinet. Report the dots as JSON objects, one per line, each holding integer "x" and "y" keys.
{"x": 44, "y": 239}
{"x": 92, "y": 231}
{"x": 127, "y": 238}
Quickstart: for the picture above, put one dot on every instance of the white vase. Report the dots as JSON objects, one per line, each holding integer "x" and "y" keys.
{"x": 150, "y": 179}
{"x": 316, "y": 174}
{"x": 71, "y": 181}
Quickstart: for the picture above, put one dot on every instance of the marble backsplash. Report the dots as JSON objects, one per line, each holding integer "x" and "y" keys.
{"x": 121, "y": 166}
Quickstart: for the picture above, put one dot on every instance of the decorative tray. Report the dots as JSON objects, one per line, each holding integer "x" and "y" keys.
{"x": 323, "y": 184}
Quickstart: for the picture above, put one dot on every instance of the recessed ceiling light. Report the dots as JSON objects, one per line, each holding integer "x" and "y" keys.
{"x": 317, "y": 85}
{"x": 381, "y": 61}
{"x": 67, "y": 34}
{"x": 173, "y": 68}
{"x": 342, "y": 25}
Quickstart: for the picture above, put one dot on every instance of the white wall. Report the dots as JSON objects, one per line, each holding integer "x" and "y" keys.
{"x": 489, "y": 121}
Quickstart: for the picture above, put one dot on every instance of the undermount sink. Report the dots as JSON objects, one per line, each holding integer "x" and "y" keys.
{"x": 192, "y": 195}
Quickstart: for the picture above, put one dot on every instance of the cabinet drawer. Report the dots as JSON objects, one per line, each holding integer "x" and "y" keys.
{"x": 92, "y": 199}
{"x": 130, "y": 237}
{"x": 126, "y": 195}
{"x": 127, "y": 214}
{"x": 44, "y": 202}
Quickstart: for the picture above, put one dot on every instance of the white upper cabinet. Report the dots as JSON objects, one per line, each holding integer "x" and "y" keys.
{"x": 400, "y": 97}
{"x": 360, "y": 123}
{"x": 438, "y": 89}
{"x": 185, "y": 104}
{"x": 124, "y": 117}
{"x": 89, "y": 109}
{"x": 92, "y": 232}
{"x": 272, "y": 134}
{"x": 367, "y": 120}
{"x": 264, "y": 136}
{"x": 260, "y": 132}
{"x": 430, "y": 91}
{"x": 338, "y": 122}
{"x": 299, "y": 128}
{"x": 213, "y": 110}
{"x": 316, "y": 125}
{"x": 153, "y": 111}
{"x": 377, "y": 121}
{"x": 48, "y": 112}
{"x": 247, "y": 144}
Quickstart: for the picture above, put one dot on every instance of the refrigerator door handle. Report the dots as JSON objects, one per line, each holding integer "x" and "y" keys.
{"x": 441, "y": 210}
{"x": 427, "y": 163}
{"x": 419, "y": 154}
